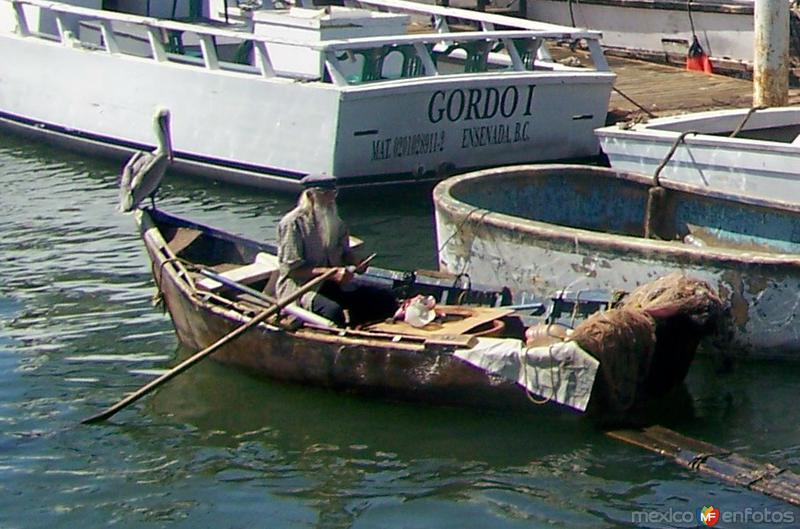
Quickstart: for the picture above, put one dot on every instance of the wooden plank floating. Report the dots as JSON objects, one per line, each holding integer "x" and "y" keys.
{"x": 716, "y": 462}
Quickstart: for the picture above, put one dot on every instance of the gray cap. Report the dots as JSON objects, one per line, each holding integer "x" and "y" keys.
{"x": 319, "y": 181}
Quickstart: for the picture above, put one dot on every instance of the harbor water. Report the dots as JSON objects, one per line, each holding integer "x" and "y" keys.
{"x": 219, "y": 448}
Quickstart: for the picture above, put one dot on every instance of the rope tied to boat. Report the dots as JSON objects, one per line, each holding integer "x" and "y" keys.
{"x": 656, "y": 195}
{"x": 457, "y": 231}
{"x": 158, "y": 297}
{"x": 746, "y": 117}
{"x": 523, "y": 360}
{"x": 633, "y": 102}
{"x": 461, "y": 225}
{"x": 680, "y": 139}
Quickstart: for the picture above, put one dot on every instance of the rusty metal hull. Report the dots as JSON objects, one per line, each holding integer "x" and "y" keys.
{"x": 413, "y": 371}
{"x": 542, "y": 228}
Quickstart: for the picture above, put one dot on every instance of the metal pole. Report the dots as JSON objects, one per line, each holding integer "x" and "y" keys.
{"x": 771, "y": 47}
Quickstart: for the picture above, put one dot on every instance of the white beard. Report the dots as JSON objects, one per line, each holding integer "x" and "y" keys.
{"x": 329, "y": 222}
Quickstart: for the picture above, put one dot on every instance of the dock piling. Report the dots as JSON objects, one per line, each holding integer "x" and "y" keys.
{"x": 771, "y": 53}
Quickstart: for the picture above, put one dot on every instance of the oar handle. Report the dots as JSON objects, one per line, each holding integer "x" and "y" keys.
{"x": 362, "y": 266}
{"x": 189, "y": 362}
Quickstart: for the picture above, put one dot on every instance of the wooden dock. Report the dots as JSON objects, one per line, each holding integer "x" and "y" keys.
{"x": 666, "y": 90}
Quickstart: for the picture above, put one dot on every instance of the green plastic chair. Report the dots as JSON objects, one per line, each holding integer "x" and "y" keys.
{"x": 243, "y": 52}
{"x": 412, "y": 65}
{"x": 372, "y": 68}
{"x": 527, "y": 52}
{"x": 477, "y": 51}
{"x": 174, "y": 42}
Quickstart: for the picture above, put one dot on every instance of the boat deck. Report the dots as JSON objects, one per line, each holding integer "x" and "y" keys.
{"x": 666, "y": 90}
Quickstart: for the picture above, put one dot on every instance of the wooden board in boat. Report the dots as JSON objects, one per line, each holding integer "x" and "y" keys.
{"x": 468, "y": 318}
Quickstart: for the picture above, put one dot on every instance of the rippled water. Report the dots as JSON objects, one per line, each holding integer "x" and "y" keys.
{"x": 219, "y": 448}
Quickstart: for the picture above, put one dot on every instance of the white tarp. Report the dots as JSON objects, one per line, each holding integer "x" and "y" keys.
{"x": 561, "y": 372}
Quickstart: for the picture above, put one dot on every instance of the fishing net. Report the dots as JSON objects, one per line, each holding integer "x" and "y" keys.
{"x": 685, "y": 310}
{"x": 677, "y": 295}
{"x": 646, "y": 345}
{"x": 623, "y": 340}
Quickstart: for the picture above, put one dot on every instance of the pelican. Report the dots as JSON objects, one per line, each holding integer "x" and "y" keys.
{"x": 142, "y": 175}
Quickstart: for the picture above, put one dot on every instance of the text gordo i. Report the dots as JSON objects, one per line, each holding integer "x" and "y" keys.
{"x": 479, "y": 103}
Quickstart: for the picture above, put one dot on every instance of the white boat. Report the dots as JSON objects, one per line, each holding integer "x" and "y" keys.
{"x": 275, "y": 94}
{"x": 663, "y": 30}
{"x": 744, "y": 152}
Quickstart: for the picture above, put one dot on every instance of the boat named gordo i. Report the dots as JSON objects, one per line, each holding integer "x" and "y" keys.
{"x": 274, "y": 94}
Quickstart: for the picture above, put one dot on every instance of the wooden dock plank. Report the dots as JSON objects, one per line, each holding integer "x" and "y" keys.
{"x": 666, "y": 90}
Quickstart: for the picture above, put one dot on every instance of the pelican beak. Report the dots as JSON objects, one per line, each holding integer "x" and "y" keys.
{"x": 166, "y": 127}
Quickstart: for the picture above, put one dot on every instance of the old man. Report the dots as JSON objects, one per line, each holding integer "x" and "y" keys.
{"x": 312, "y": 239}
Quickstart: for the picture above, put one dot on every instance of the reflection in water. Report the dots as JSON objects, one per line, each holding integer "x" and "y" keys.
{"x": 219, "y": 448}
{"x": 352, "y": 455}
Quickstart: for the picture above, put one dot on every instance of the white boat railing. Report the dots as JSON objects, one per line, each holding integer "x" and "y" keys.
{"x": 489, "y": 21}
{"x": 416, "y": 55}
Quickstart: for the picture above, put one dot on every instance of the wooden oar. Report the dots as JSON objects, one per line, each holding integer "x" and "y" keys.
{"x": 189, "y": 362}
{"x": 305, "y": 315}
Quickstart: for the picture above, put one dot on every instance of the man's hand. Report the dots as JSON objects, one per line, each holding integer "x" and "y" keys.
{"x": 343, "y": 275}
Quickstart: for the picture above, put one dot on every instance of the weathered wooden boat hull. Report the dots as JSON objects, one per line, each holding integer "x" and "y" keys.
{"x": 338, "y": 363}
{"x": 760, "y": 161}
{"x": 395, "y": 369}
{"x": 544, "y": 227}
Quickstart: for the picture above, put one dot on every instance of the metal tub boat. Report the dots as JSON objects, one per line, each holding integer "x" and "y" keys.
{"x": 540, "y": 228}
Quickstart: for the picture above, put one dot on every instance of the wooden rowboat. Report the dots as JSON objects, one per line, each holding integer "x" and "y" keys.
{"x": 389, "y": 359}
{"x": 476, "y": 354}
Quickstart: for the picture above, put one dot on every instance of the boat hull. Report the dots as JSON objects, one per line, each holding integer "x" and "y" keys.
{"x": 661, "y": 30}
{"x": 550, "y": 227}
{"x": 761, "y": 161}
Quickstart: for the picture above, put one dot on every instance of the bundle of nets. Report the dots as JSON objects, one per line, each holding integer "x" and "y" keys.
{"x": 685, "y": 310}
{"x": 646, "y": 345}
{"x": 677, "y": 295}
{"x": 623, "y": 340}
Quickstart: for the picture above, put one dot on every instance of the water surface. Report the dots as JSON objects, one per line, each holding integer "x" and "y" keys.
{"x": 218, "y": 447}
